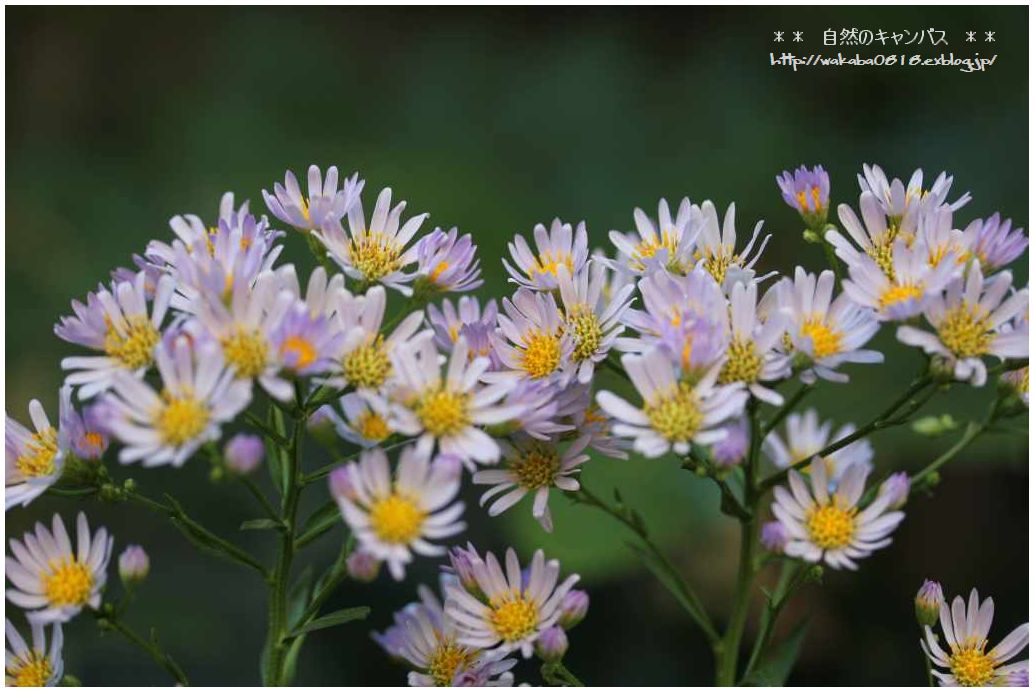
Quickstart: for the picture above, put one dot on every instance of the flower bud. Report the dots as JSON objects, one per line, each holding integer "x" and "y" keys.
{"x": 133, "y": 565}
{"x": 244, "y": 453}
{"x": 340, "y": 481}
{"x": 551, "y": 644}
{"x": 362, "y": 566}
{"x": 462, "y": 561}
{"x": 774, "y": 536}
{"x": 573, "y": 608}
{"x": 731, "y": 450}
{"x": 896, "y": 488}
{"x": 928, "y": 603}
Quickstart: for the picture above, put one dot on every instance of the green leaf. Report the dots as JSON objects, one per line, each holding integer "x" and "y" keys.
{"x": 299, "y": 595}
{"x": 319, "y": 522}
{"x": 260, "y": 524}
{"x": 338, "y": 617}
{"x": 776, "y": 666}
{"x": 665, "y": 577}
{"x": 274, "y": 462}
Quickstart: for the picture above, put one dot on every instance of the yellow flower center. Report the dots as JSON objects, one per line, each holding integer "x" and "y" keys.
{"x": 375, "y": 255}
{"x": 536, "y": 467}
{"x": 438, "y": 270}
{"x": 300, "y": 349}
{"x": 180, "y": 419}
{"x": 717, "y": 261}
{"x": 882, "y": 253}
{"x": 397, "y": 519}
{"x": 816, "y": 199}
{"x": 965, "y": 330}
{"x": 368, "y": 366}
{"x": 447, "y": 659}
{"x": 245, "y": 350}
{"x": 646, "y": 249}
{"x": 69, "y": 583}
{"x": 830, "y": 526}
{"x": 93, "y": 441}
{"x": 32, "y": 671}
{"x": 743, "y": 364}
{"x": 971, "y": 666}
{"x": 38, "y": 458}
{"x": 550, "y": 263}
{"x": 372, "y": 427}
{"x": 587, "y": 331}
{"x": 675, "y": 415}
{"x": 443, "y": 412}
{"x": 541, "y": 354}
{"x": 514, "y": 618}
{"x": 135, "y": 347}
{"x": 900, "y": 294}
{"x": 824, "y": 341}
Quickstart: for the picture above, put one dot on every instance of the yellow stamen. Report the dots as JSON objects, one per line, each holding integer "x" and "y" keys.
{"x": 966, "y": 331}
{"x": 246, "y": 351}
{"x": 514, "y": 618}
{"x": 374, "y": 254}
{"x": 180, "y": 419}
{"x": 718, "y": 260}
{"x": 831, "y": 527}
{"x": 38, "y": 458}
{"x": 396, "y": 519}
{"x": 743, "y": 364}
{"x": 675, "y": 414}
{"x": 900, "y": 294}
{"x": 372, "y": 427}
{"x": 447, "y": 659}
{"x": 300, "y": 349}
{"x": 550, "y": 263}
{"x": 69, "y": 583}
{"x": 536, "y": 466}
{"x": 971, "y": 666}
{"x": 541, "y": 354}
{"x": 825, "y": 341}
{"x": 367, "y": 366}
{"x": 443, "y": 412}
{"x": 32, "y": 671}
{"x": 588, "y": 333}
{"x": 134, "y": 346}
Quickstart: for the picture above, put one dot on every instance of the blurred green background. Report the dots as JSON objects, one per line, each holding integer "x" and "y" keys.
{"x": 494, "y": 120}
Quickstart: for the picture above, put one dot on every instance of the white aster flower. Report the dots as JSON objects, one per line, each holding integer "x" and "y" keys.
{"x": 533, "y": 466}
{"x": 716, "y": 247}
{"x": 394, "y": 517}
{"x": 898, "y": 200}
{"x": 51, "y": 580}
{"x": 967, "y": 662}
{"x": 806, "y": 436}
{"x": 366, "y": 420}
{"x": 198, "y": 394}
{"x": 34, "y": 460}
{"x": 321, "y": 292}
{"x": 826, "y": 332}
{"x": 875, "y": 235}
{"x": 376, "y": 253}
{"x": 325, "y": 200}
{"x": 514, "y": 611}
{"x": 831, "y": 527}
{"x": 968, "y": 320}
{"x": 559, "y": 246}
{"x": 119, "y": 324}
{"x": 593, "y": 323}
{"x": 33, "y": 665}
{"x": 531, "y": 341}
{"x": 751, "y": 356}
{"x": 449, "y": 410}
{"x": 674, "y": 412}
{"x": 668, "y": 244}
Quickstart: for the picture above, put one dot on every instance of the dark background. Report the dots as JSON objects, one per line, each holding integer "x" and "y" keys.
{"x": 494, "y": 120}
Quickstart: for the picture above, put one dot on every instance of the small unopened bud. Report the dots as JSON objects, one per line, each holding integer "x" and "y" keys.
{"x": 774, "y": 536}
{"x": 932, "y": 426}
{"x": 551, "y": 644}
{"x": 928, "y": 603}
{"x": 814, "y": 574}
{"x": 340, "y": 481}
{"x": 732, "y": 450}
{"x": 362, "y": 566}
{"x": 133, "y": 565}
{"x": 462, "y": 561}
{"x": 573, "y": 608}
{"x": 896, "y": 488}
{"x": 244, "y": 453}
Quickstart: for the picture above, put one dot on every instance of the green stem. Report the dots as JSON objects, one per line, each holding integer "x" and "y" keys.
{"x": 329, "y": 468}
{"x": 151, "y": 648}
{"x": 831, "y": 260}
{"x": 556, "y": 673}
{"x": 786, "y": 409}
{"x": 253, "y": 488}
{"x": 730, "y": 646}
{"x": 972, "y": 432}
{"x": 790, "y": 577}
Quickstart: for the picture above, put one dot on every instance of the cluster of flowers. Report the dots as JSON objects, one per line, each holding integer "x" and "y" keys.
{"x": 506, "y": 391}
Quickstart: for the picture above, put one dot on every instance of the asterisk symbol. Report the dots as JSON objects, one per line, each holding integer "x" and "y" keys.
{"x": 971, "y": 36}
{"x": 778, "y": 37}
{"x": 798, "y": 36}
{"x": 990, "y": 37}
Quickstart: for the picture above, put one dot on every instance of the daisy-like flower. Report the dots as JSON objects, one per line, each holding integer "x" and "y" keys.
{"x": 588, "y": 419}
{"x": 874, "y": 235}
{"x": 830, "y": 527}
{"x": 198, "y": 394}
{"x": 118, "y": 324}
{"x": 539, "y": 403}
{"x": 366, "y": 421}
{"x": 51, "y": 580}
{"x": 532, "y": 466}
{"x": 447, "y": 410}
{"x": 751, "y": 356}
{"x": 511, "y": 610}
{"x": 83, "y": 434}
{"x": 806, "y": 436}
{"x": 325, "y": 201}
{"x": 307, "y": 343}
{"x": 898, "y": 200}
{"x": 321, "y": 292}
{"x": 967, "y": 662}
{"x": 34, "y": 460}
{"x": 825, "y": 332}
{"x": 426, "y": 638}
{"x": 376, "y": 253}
{"x": 942, "y": 242}
{"x": 33, "y": 665}
{"x": 807, "y": 191}
{"x": 667, "y": 244}
{"x": 905, "y": 290}
{"x": 447, "y": 262}
{"x": 394, "y": 517}
{"x": 468, "y": 320}
{"x": 968, "y": 321}
{"x": 560, "y": 246}
{"x": 733, "y": 449}
{"x": 531, "y": 341}
{"x": 365, "y": 361}
{"x": 994, "y": 242}
{"x": 593, "y": 323}
{"x": 716, "y": 247}
{"x": 674, "y": 413}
